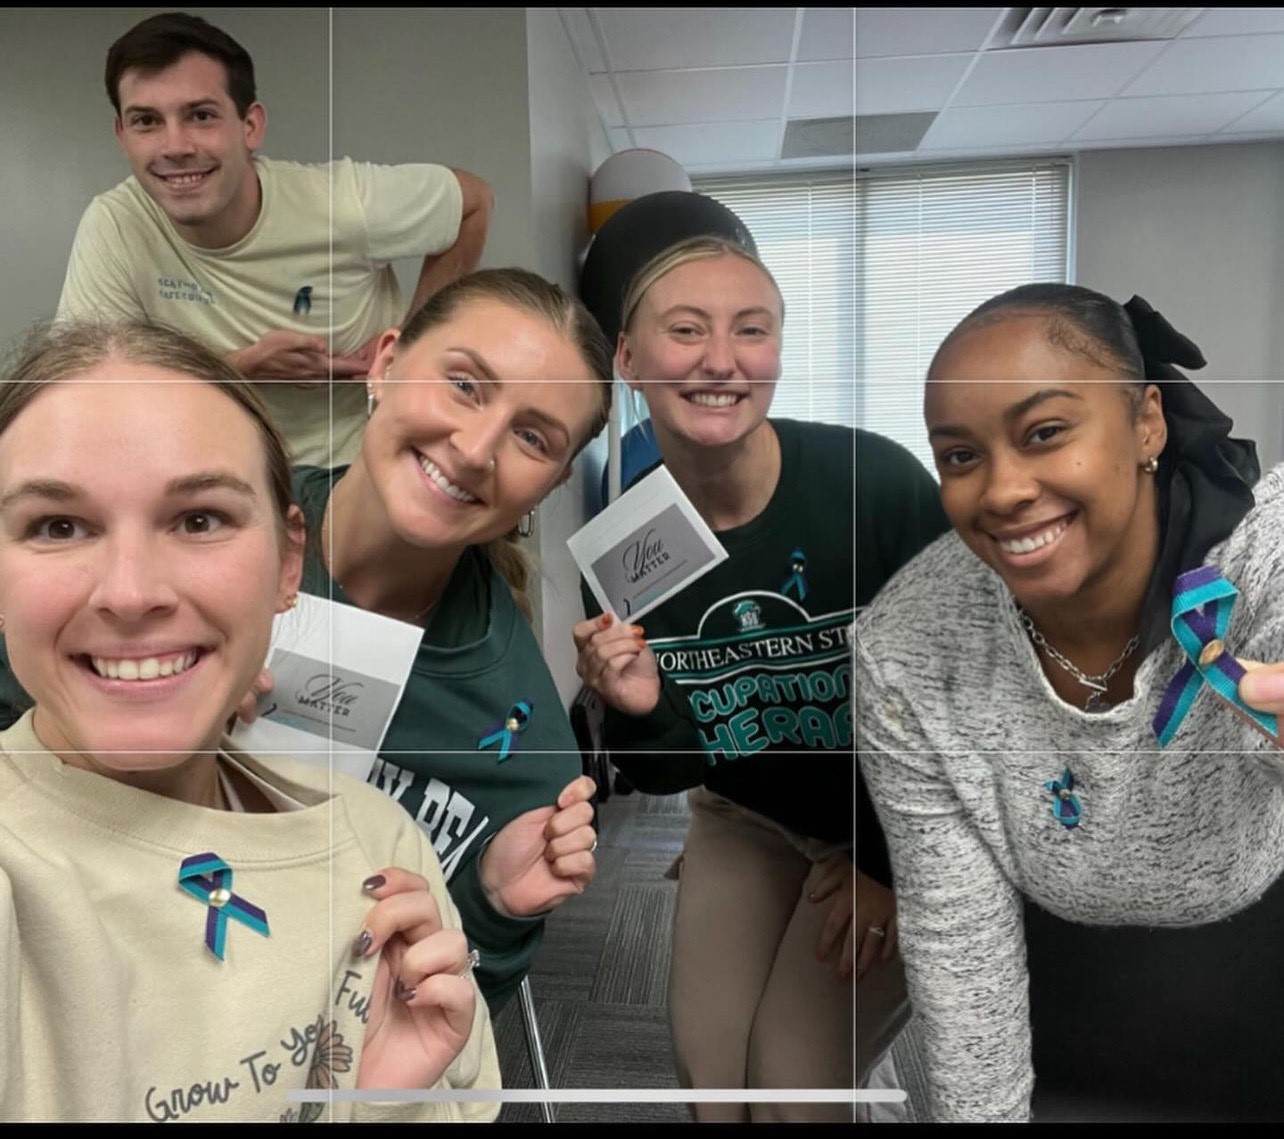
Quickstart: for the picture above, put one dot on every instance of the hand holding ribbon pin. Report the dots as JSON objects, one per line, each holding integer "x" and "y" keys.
{"x": 1202, "y": 603}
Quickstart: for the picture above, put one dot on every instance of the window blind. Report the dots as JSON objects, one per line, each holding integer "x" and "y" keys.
{"x": 930, "y": 244}
{"x": 805, "y": 228}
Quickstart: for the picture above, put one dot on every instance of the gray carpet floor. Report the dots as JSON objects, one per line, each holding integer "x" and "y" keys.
{"x": 600, "y": 981}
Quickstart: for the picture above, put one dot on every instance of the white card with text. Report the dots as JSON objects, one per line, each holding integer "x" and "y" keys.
{"x": 649, "y": 544}
{"x": 338, "y": 674}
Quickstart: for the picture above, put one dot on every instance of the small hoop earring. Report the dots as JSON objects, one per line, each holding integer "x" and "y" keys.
{"x": 1151, "y": 465}
{"x": 526, "y": 527}
{"x": 371, "y": 402}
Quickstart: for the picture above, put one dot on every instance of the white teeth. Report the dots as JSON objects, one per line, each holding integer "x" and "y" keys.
{"x": 149, "y": 668}
{"x": 434, "y": 472}
{"x": 182, "y": 179}
{"x": 1035, "y": 541}
{"x": 712, "y": 399}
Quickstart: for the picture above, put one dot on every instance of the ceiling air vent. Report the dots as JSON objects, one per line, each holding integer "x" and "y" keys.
{"x": 817, "y": 138}
{"x": 1046, "y": 27}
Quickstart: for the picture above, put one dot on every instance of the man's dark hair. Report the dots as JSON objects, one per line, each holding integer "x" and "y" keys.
{"x": 161, "y": 41}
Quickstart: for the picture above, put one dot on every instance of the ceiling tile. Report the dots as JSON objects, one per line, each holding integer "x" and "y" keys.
{"x": 1054, "y": 74}
{"x": 658, "y": 39}
{"x": 1236, "y": 63}
{"x": 1039, "y": 123}
{"x": 822, "y": 89}
{"x": 1268, "y": 116}
{"x": 706, "y": 144}
{"x": 921, "y": 31}
{"x": 893, "y": 85}
{"x": 608, "y": 106}
{"x": 1236, "y": 22}
{"x": 580, "y": 29}
{"x": 1167, "y": 115}
{"x": 827, "y": 33}
{"x": 658, "y": 98}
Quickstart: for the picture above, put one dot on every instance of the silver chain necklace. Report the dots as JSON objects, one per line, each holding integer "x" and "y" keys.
{"x": 1096, "y": 701}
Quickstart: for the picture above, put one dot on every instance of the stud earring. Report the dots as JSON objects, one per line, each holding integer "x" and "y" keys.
{"x": 1151, "y": 465}
{"x": 291, "y": 601}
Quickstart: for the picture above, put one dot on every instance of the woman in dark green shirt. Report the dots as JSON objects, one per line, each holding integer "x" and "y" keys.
{"x": 739, "y": 686}
{"x": 477, "y": 408}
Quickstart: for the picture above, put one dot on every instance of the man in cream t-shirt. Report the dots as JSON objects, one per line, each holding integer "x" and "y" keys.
{"x": 282, "y": 267}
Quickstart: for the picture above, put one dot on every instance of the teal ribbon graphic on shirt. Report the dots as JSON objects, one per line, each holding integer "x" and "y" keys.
{"x": 209, "y": 879}
{"x": 797, "y": 578}
{"x": 1202, "y": 604}
{"x": 505, "y": 733}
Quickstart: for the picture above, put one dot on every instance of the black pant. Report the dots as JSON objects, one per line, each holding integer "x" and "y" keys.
{"x": 1135, "y": 1023}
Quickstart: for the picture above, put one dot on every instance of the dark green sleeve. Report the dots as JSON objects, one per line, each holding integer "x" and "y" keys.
{"x": 898, "y": 512}
{"x": 14, "y": 700}
{"x": 507, "y": 945}
{"x": 660, "y": 752}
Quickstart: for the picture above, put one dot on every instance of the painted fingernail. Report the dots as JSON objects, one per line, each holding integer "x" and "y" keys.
{"x": 373, "y": 882}
{"x": 604, "y": 620}
{"x": 362, "y": 947}
{"x": 402, "y": 993}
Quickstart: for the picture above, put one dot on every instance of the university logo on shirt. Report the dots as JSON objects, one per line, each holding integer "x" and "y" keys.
{"x": 748, "y": 614}
{"x": 761, "y": 671}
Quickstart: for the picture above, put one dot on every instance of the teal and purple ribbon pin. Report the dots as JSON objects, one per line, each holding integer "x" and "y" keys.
{"x": 797, "y": 579}
{"x": 1202, "y": 604}
{"x": 505, "y": 733}
{"x": 1066, "y": 808}
{"x": 209, "y": 879}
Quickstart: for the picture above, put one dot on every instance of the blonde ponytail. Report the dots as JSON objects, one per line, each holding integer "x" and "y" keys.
{"x": 512, "y": 564}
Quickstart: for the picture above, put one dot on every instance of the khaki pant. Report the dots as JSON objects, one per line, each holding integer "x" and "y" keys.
{"x": 750, "y": 1006}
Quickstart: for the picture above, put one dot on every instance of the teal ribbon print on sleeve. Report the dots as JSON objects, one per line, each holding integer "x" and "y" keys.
{"x": 1202, "y": 604}
{"x": 505, "y": 734}
{"x": 797, "y": 579}
{"x": 209, "y": 879}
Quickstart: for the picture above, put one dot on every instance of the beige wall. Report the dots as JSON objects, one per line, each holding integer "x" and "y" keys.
{"x": 567, "y": 142}
{"x": 1199, "y": 232}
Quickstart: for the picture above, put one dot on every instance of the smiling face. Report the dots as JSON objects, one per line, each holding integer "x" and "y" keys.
{"x": 141, "y": 563}
{"x": 190, "y": 150}
{"x": 1040, "y": 453}
{"x": 476, "y": 422}
{"x": 703, "y": 346}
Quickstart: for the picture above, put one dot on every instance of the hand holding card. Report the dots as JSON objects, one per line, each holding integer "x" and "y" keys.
{"x": 616, "y": 662}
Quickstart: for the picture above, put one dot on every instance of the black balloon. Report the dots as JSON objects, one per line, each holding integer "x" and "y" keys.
{"x": 637, "y": 232}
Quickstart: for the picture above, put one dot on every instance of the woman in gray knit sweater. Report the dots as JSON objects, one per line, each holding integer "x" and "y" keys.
{"x": 1050, "y": 735}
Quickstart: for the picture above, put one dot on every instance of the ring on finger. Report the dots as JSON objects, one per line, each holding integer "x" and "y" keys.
{"x": 593, "y": 847}
{"x": 474, "y": 958}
